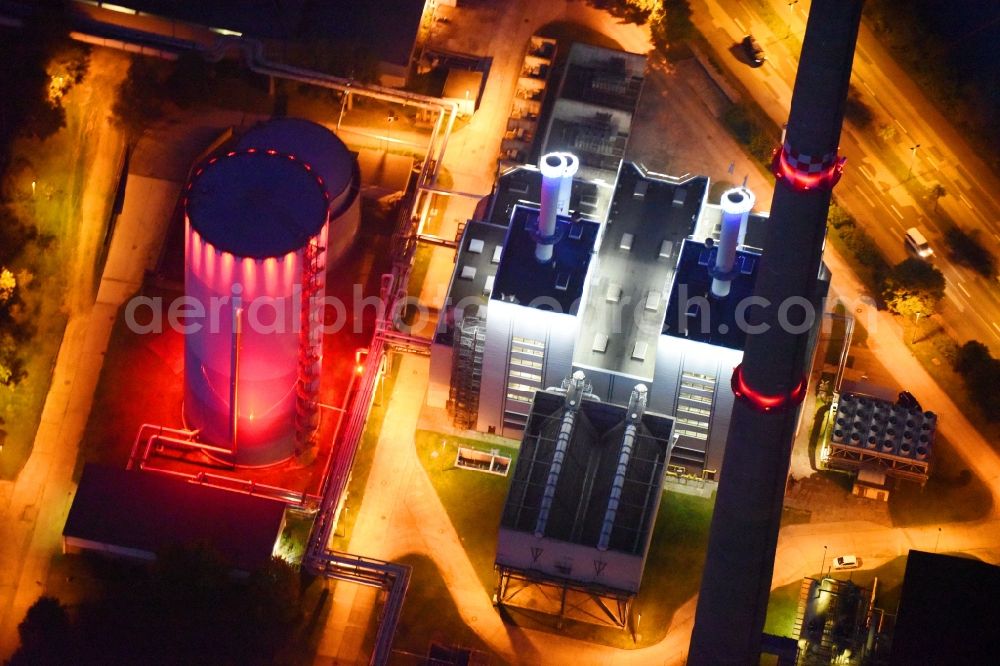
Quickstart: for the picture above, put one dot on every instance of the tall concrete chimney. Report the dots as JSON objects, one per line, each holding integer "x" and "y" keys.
{"x": 736, "y": 205}
{"x": 566, "y": 184}
{"x": 552, "y": 166}
{"x": 771, "y": 382}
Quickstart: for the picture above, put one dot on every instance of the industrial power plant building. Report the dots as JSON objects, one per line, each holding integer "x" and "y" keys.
{"x": 644, "y": 285}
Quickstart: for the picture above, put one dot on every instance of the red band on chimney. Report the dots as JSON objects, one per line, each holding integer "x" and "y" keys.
{"x": 806, "y": 172}
{"x": 764, "y": 402}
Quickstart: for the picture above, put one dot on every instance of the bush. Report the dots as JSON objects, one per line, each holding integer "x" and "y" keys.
{"x": 750, "y": 131}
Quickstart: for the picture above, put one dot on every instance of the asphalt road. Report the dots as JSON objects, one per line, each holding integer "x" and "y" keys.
{"x": 886, "y": 184}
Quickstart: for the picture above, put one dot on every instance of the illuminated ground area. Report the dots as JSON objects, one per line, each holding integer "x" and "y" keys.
{"x": 142, "y": 378}
{"x": 474, "y": 501}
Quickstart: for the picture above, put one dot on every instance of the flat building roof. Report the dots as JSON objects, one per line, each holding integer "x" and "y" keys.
{"x": 556, "y": 285}
{"x": 142, "y": 512}
{"x": 626, "y": 303}
{"x": 474, "y": 277}
{"x": 587, "y": 473}
{"x": 694, "y": 313}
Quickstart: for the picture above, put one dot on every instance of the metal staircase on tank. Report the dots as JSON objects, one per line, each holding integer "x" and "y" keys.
{"x": 310, "y": 344}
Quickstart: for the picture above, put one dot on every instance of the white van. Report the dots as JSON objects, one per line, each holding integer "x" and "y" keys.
{"x": 918, "y": 244}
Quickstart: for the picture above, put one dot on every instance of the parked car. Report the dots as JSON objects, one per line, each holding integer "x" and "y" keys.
{"x": 753, "y": 50}
{"x": 846, "y": 562}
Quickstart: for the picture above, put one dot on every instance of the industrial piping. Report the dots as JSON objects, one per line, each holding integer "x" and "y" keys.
{"x": 636, "y": 408}
{"x": 575, "y": 389}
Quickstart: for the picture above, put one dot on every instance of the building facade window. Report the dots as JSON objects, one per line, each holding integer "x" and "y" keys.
{"x": 697, "y": 397}
{"x": 690, "y": 409}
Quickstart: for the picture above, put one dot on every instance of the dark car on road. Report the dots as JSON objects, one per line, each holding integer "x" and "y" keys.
{"x": 753, "y": 50}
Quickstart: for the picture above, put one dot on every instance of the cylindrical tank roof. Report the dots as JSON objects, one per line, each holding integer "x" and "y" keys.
{"x": 312, "y": 143}
{"x": 256, "y": 203}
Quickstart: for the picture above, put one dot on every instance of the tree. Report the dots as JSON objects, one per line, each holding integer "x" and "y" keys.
{"x": 981, "y": 373}
{"x": 937, "y": 192}
{"x": 913, "y": 287}
{"x": 886, "y": 132}
{"x": 856, "y": 111}
{"x": 967, "y": 249}
{"x": 11, "y": 365}
{"x": 972, "y": 356}
{"x": 141, "y": 96}
{"x": 46, "y": 635}
{"x": 272, "y": 606}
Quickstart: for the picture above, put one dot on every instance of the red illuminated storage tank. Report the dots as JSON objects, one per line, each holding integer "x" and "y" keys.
{"x": 330, "y": 159}
{"x": 257, "y": 226}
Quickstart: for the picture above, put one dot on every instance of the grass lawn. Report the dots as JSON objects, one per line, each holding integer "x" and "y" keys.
{"x": 21, "y": 407}
{"x": 474, "y": 501}
{"x": 65, "y": 261}
{"x": 295, "y": 535}
{"x": 430, "y": 615}
{"x": 783, "y": 603}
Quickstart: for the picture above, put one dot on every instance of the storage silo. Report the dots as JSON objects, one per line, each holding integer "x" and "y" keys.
{"x": 336, "y": 166}
{"x": 257, "y": 222}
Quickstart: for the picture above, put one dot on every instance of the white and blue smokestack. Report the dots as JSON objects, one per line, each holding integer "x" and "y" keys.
{"x": 566, "y": 186}
{"x": 736, "y": 205}
{"x": 552, "y": 166}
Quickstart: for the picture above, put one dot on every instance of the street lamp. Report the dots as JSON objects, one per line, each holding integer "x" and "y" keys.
{"x": 913, "y": 158}
{"x": 791, "y": 13}
{"x": 823, "y": 562}
{"x": 937, "y": 540}
{"x": 392, "y": 117}
{"x": 916, "y": 327}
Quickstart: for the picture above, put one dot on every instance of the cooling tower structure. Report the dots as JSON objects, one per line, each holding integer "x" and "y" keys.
{"x": 258, "y": 223}
{"x": 771, "y": 382}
